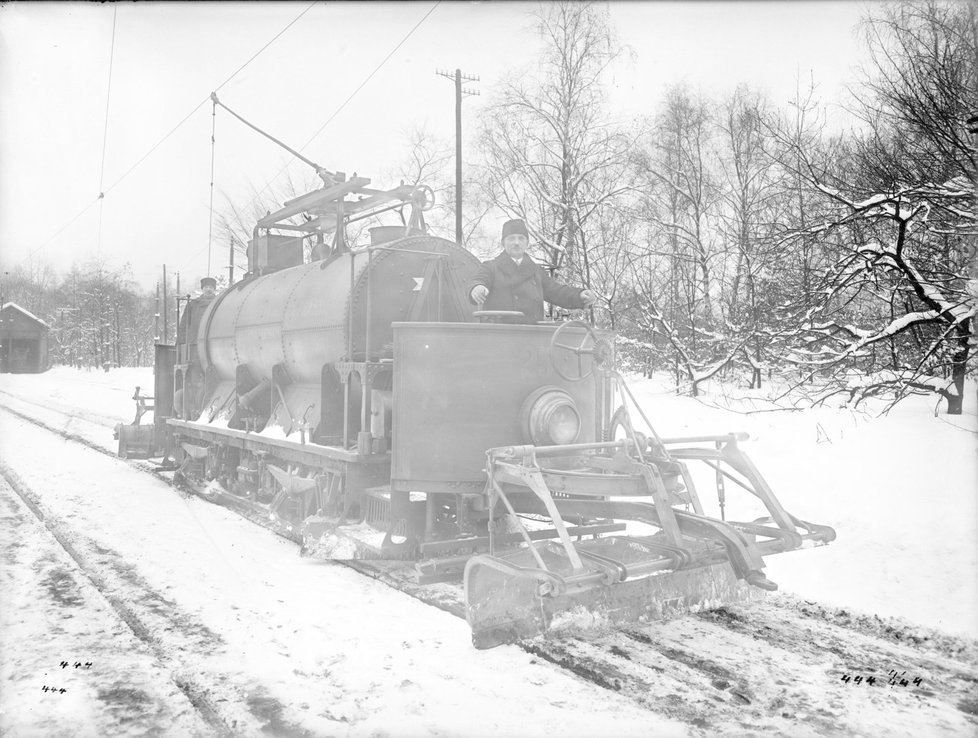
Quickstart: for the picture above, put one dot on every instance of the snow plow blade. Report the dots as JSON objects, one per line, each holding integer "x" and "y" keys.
{"x": 503, "y": 602}
{"x": 692, "y": 562}
{"x": 508, "y": 599}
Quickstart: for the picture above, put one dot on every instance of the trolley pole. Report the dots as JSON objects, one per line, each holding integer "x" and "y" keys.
{"x": 458, "y": 77}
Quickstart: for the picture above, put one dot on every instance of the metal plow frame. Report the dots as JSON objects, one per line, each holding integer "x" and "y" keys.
{"x": 693, "y": 562}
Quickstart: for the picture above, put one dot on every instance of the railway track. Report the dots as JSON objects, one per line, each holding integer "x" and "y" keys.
{"x": 141, "y": 614}
{"x": 774, "y": 667}
{"x": 780, "y": 667}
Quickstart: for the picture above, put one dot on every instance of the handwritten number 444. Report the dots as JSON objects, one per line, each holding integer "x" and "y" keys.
{"x": 65, "y": 665}
{"x": 893, "y": 679}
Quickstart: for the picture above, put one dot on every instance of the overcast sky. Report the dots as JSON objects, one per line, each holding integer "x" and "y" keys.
{"x": 56, "y": 96}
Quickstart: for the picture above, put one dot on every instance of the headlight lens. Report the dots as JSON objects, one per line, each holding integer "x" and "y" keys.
{"x": 565, "y": 424}
{"x": 550, "y": 417}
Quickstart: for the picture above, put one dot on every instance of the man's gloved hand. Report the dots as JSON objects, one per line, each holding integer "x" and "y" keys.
{"x": 589, "y": 297}
{"x": 479, "y": 293}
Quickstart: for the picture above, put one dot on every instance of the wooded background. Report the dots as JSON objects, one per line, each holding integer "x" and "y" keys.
{"x": 727, "y": 237}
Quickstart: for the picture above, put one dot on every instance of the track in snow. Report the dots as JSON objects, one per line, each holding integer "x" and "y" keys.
{"x": 225, "y": 703}
{"x": 144, "y": 612}
{"x": 773, "y": 668}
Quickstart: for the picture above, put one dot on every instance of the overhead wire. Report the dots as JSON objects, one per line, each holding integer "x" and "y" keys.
{"x": 204, "y": 101}
{"x": 352, "y": 95}
{"x": 273, "y": 40}
{"x": 145, "y": 156}
{"x": 105, "y": 134}
{"x": 323, "y": 126}
{"x": 370, "y": 76}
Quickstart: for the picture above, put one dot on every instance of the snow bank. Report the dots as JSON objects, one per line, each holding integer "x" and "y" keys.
{"x": 901, "y": 491}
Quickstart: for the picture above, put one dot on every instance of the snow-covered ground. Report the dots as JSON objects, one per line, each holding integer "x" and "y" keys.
{"x": 333, "y": 652}
{"x": 900, "y": 489}
{"x": 351, "y": 657}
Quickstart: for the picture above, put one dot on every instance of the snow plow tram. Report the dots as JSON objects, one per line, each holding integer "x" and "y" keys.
{"x": 356, "y": 400}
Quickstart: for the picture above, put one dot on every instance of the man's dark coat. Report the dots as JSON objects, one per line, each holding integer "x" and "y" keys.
{"x": 522, "y": 288}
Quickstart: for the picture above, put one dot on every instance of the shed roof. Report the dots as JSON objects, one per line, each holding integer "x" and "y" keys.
{"x": 28, "y": 313}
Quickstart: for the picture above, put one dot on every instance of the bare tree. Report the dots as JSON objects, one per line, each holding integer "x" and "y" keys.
{"x": 887, "y": 285}
{"x": 919, "y": 89}
{"x": 682, "y": 162}
{"x": 31, "y": 285}
{"x": 236, "y": 220}
{"x": 755, "y": 201}
{"x": 553, "y": 156}
{"x": 427, "y": 163}
{"x": 99, "y": 318}
{"x": 802, "y": 126}
{"x": 895, "y": 305}
{"x": 676, "y": 284}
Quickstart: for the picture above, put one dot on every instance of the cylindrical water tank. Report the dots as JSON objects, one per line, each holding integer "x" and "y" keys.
{"x": 300, "y": 317}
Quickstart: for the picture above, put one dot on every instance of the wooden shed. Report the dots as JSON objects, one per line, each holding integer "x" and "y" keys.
{"x": 23, "y": 341}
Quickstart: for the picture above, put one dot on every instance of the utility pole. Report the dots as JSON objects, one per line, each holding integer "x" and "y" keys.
{"x": 458, "y": 77}
{"x": 176, "y": 308}
{"x": 166, "y": 331}
{"x": 231, "y": 261}
{"x": 156, "y": 315}
{"x": 118, "y": 336}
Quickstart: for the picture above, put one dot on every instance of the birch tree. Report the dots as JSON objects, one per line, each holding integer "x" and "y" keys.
{"x": 676, "y": 286}
{"x": 754, "y": 203}
{"x": 553, "y": 155}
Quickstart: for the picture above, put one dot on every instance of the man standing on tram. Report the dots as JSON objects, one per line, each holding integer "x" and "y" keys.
{"x": 514, "y": 282}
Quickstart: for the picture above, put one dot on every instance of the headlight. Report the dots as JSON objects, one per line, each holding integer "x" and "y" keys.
{"x": 550, "y": 418}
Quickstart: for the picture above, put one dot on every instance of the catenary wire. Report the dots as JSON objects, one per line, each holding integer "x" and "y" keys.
{"x": 352, "y": 95}
{"x": 370, "y": 76}
{"x": 331, "y": 117}
{"x": 204, "y": 101}
{"x": 170, "y": 133}
{"x": 105, "y": 134}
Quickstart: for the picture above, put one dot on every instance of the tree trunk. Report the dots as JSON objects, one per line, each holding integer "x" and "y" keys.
{"x": 959, "y": 366}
